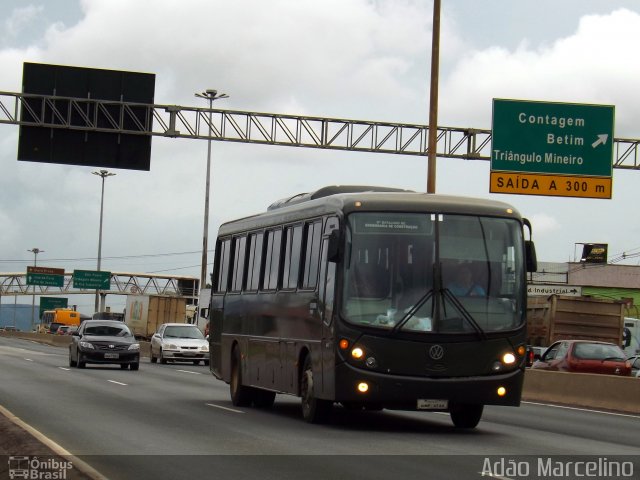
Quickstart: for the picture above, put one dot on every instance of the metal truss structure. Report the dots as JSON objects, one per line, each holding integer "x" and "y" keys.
{"x": 174, "y": 121}
{"x": 121, "y": 284}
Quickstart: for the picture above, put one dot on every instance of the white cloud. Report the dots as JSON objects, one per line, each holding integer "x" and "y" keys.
{"x": 360, "y": 59}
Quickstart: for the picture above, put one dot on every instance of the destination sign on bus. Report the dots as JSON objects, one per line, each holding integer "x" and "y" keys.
{"x": 371, "y": 223}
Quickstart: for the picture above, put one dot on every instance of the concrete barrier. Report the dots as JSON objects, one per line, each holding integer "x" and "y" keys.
{"x": 587, "y": 390}
{"x": 607, "y": 392}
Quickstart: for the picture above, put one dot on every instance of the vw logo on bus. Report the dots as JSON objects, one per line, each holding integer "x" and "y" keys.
{"x": 436, "y": 352}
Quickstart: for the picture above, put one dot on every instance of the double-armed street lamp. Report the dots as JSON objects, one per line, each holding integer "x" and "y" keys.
{"x": 103, "y": 174}
{"x": 210, "y": 95}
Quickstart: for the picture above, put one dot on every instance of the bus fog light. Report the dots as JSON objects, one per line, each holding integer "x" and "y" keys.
{"x": 363, "y": 387}
{"x": 509, "y": 358}
{"x": 501, "y": 391}
{"x": 371, "y": 362}
{"x": 357, "y": 353}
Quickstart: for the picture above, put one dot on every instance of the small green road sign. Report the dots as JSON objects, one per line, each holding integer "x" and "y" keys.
{"x": 92, "y": 279}
{"x": 552, "y": 138}
{"x": 49, "y": 303}
{"x": 45, "y": 276}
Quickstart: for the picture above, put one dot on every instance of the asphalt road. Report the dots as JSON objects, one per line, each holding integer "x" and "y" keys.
{"x": 177, "y": 421}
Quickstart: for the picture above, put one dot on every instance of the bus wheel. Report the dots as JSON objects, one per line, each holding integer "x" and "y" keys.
{"x": 264, "y": 398}
{"x": 466, "y": 416}
{"x": 314, "y": 410}
{"x": 241, "y": 396}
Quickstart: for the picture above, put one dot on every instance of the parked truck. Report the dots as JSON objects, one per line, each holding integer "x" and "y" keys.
{"x": 144, "y": 314}
{"x": 554, "y": 318}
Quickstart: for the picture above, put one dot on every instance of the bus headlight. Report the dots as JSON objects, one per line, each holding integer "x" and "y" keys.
{"x": 357, "y": 353}
{"x": 363, "y": 387}
{"x": 509, "y": 358}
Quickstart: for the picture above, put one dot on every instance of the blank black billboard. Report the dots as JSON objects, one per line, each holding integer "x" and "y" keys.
{"x": 87, "y": 148}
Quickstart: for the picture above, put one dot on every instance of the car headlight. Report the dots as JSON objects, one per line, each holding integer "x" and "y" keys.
{"x": 134, "y": 346}
{"x": 171, "y": 346}
{"x": 86, "y": 345}
{"x": 204, "y": 348}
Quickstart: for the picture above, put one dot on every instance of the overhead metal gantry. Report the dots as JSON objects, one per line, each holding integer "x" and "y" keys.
{"x": 121, "y": 284}
{"x": 174, "y": 121}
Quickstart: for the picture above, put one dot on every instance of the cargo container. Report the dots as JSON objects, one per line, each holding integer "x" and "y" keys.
{"x": 144, "y": 314}
{"x": 554, "y": 318}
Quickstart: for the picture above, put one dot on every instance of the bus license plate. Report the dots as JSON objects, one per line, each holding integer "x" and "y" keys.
{"x": 432, "y": 404}
{"x": 111, "y": 355}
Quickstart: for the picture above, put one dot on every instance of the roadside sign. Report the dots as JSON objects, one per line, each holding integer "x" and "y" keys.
{"x": 92, "y": 279}
{"x": 49, "y": 303}
{"x": 549, "y": 289}
{"x": 570, "y": 143}
{"x": 45, "y": 276}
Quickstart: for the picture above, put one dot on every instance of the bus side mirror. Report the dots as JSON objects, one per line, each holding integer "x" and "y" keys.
{"x": 530, "y": 256}
{"x": 530, "y": 249}
{"x": 333, "y": 253}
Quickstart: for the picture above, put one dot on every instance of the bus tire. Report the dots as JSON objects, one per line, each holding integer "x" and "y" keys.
{"x": 314, "y": 410}
{"x": 241, "y": 395}
{"x": 466, "y": 415}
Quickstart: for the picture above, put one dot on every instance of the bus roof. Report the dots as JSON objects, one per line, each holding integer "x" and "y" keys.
{"x": 339, "y": 200}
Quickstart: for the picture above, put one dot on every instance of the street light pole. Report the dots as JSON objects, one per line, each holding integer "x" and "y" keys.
{"x": 35, "y": 252}
{"x": 103, "y": 174}
{"x": 210, "y": 95}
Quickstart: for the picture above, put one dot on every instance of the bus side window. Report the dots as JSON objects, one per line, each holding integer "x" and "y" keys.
{"x": 272, "y": 260}
{"x": 254, "y": 266}
{"x": 293, "y": 248}
{"x": 239, "y": 249}
{"x": 312, "y": 255}
{"x": 223, "y": 256}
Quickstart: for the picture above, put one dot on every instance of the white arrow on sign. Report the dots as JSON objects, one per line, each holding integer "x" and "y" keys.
{"x": 602, "y": 139}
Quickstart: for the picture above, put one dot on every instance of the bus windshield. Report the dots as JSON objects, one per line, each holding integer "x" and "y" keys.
{"x": 433, "y": 273}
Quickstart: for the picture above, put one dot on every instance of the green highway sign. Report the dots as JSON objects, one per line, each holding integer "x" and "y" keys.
{"x": 45, "y": 276}
{"x": 92, "y": 279}
{"x": 49, "y": 303}
{"x": 552, "y": 138}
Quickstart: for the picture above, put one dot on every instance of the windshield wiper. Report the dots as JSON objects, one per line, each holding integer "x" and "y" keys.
{"x": 411, "y": 312}
{"x": 465, "y": 314}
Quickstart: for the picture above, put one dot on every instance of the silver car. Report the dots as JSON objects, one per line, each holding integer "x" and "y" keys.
{"x": 179, "y": 342}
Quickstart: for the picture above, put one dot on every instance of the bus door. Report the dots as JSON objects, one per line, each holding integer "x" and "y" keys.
{"x": 216, "y": 315}
{"x": 326, "y": 295}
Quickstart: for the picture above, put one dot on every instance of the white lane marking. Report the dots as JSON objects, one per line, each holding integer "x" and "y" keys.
{"x": 65, "y": 368}
{"x": 117, "y": 383}
{"x": 28, "y": 360}
{"x": 189, "y": 371}
{"x": 225, "y": 408}
{"x": 583, "y": 409}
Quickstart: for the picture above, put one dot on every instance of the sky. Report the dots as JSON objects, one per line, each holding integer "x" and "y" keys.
{"x": 349, "y": 59}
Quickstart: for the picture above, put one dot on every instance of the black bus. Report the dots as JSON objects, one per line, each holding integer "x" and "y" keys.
{"x": 353, "y": 295}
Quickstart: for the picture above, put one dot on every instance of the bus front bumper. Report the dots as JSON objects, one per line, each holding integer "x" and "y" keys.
{"x": 418, "y": 393}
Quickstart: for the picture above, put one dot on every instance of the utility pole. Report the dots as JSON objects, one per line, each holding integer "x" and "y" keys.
{"x": 433, "y": 99}
{"x": 35, "y": 252}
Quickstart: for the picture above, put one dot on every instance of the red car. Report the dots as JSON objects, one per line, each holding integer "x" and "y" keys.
{"x": 584, "y": 356}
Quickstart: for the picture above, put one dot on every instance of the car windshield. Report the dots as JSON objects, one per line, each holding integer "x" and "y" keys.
{"x": 183, "y": 331}
{"x": 598, "y": 351}
{"x": 107, "y": 331}
{"x": 433, "y": 273}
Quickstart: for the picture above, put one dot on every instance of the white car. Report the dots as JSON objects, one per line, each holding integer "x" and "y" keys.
{"x": 179, "y": 342}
